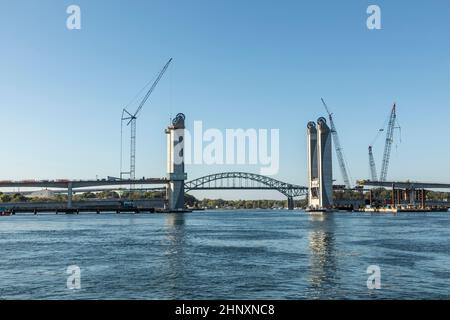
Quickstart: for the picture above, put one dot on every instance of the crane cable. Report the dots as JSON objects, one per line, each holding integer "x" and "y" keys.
{"x": 383, "y": 128}
{"x": 139, "y": 94}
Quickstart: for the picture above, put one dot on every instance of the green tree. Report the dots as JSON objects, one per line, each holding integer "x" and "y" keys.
{"x": 5, "y": 198}
{"x": 18, "y": 197}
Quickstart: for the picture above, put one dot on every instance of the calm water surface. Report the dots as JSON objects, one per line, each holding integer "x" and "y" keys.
{"x": 225, "y": 255}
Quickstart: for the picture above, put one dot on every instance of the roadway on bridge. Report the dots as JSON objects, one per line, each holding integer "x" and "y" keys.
{"x": 78, "y": 183}
{"x": 404, "y": 184}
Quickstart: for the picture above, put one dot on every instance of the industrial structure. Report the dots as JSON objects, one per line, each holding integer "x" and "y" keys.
{"x": 130, "y": 119}
{"x": 405, "y": 196}
{"x": 174, "y": 185}
{"x": 217, "y": 181}
{"x": 387, "y": 148}
{"x": 320, "y": 170}
{"x": 175, "y": 163}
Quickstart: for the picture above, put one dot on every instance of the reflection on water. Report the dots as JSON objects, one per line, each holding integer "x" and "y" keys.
{"x": 175, "y": 244}
{"x": 175, "y": 232}
{"x": 229, "y": 254}
{"x": 322, "y": 274}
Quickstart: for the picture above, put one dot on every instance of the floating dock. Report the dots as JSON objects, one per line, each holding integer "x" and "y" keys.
{"x": 403, "y": 209}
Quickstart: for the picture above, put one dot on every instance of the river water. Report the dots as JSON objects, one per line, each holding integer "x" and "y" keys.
{"x": 253, "y": 254}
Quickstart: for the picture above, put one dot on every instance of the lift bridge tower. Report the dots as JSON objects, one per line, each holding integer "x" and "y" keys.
{"x": 175, "y": 163}
{"x": 320, "y": 169}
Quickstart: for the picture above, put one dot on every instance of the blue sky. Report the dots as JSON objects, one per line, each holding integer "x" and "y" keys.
{"x": 237, "y": 64}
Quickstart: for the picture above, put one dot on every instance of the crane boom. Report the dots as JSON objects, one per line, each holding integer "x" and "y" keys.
{"x": 373, "y": 169}
{"x": 126, "y": 115}
{"x": 149, "y": 92}
{"x": 388, "y": 144}
{"x": 338, "y": 147}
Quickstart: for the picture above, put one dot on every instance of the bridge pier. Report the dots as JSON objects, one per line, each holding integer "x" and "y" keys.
{"x": 175, "y": 164}
{"x": 69, "y": 195}
{"x": 291, "y": 203}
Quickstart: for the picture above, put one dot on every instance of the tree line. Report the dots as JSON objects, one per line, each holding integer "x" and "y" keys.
{"x": 192, "y": 201}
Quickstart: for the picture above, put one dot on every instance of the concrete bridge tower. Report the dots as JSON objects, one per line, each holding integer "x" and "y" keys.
{"x": 313, "y": 190}
{"x": 175, "y": 163}
{"x": 320, "y": 169}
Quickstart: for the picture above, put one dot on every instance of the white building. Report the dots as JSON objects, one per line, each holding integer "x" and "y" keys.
{"x": 44, "y": 194}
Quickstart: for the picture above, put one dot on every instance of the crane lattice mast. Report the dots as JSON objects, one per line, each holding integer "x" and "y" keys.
{"x": 338, "y": 147}
{"x": 131, "y": 117}
{"x": 388, "y": 144}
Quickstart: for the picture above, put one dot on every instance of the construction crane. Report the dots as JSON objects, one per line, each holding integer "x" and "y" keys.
{"x": 130, "y": 118}
{"x": 388, "y": 144}
{"x": 373, "y": 169}
{"x": 339, "y": 150}
{"x": 391, "y": 121}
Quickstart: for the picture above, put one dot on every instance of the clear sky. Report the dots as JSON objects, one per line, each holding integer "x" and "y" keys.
{"x": 237, "y": 64}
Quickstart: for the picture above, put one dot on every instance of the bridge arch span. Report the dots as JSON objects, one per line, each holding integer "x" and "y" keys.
{"x": 246, "y": 181}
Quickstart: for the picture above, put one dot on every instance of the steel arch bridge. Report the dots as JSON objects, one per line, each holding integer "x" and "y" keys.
{"x": 246, "y": 181}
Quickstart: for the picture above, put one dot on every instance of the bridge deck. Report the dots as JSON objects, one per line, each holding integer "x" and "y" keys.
{"x": 404, "y": 184}
{"x": 78, "y": 183}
